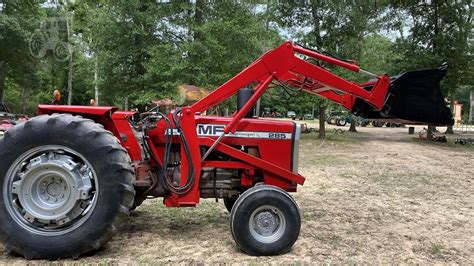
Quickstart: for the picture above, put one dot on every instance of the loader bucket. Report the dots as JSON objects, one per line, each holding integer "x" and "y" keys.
{"x": 414, "y": 97}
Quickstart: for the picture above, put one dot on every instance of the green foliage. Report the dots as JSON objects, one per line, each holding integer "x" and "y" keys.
{"x": 438, "y": 31}
{"x": 17, "y": 19}
{"x": 379, "y": 55}
{"x": 144, "y": 49}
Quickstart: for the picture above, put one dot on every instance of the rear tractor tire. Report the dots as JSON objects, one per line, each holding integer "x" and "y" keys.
{"x": 66, "y": 186}
{"x": 265, "y": 221}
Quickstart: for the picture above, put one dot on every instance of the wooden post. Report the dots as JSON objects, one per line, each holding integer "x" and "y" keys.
{"x": 471, "y": 109}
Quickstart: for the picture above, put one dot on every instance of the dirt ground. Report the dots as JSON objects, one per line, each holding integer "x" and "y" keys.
{"x": 377, "y": 196}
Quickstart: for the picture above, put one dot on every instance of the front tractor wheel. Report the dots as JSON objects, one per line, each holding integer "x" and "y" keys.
{"x": 67, "y": 185}
{"x": 229, "y": 203}
{"x": 265, "y": 220}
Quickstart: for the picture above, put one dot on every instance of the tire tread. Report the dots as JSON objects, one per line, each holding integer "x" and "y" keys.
{"x": 118, "y": 161}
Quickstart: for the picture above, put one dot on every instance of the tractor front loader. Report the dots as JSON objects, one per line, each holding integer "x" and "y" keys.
{"x": 71, "y": 175}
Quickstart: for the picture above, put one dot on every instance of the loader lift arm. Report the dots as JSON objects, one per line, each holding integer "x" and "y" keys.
{"x": 282, "y": 65}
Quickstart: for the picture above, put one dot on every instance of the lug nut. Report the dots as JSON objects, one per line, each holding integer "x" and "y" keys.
{"x": 43, "y": 191}
{"x": 83, "y": 169}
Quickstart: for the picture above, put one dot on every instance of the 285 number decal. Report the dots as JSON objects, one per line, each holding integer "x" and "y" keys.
{"x": 276, "y": 135}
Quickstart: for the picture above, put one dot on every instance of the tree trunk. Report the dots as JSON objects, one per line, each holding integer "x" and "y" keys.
{"x": 96, "y": 82}
{"x": 429, "y": 132}
{"x": 257, "y": 108}
{"x": 316, "y": 22}
{"x": 315, "y": 4}
{"x": 2, "y": 93}
{"x": 69, "y": 74}
{"x": 353, "y": 128}
{"x": 322, "y": 122}
{"x": 69, "y": 80}
{"x": 198, "y": 17}
{"x": 449, "y": 130}
{"x": 23, "y": 100}
{"x": 2, "y": 83}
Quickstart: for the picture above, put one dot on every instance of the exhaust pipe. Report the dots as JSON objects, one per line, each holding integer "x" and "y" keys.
{"x": 243, "y": 96}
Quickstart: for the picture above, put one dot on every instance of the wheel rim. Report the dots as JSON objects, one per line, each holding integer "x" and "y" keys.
{"x": 50, "y": 190}
{"x": 267, "y": 224}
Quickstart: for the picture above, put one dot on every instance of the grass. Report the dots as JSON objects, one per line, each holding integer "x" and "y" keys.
{"x": 204, "y": 216}
{"x": 450, "y": 144}
{"x": 436, "y": 248}
{"x": 345, "y": 138}
{"x": 403, "y": 184}
{"x": 328, "y": 238}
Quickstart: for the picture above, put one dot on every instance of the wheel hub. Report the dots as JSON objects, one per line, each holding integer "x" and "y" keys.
{"x": 51, "y": 189}
{"x": 267, "y": 224}
{"x": 54, "y": 190}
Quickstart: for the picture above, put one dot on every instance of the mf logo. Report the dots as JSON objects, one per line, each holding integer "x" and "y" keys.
{"x": 210, "y": 130}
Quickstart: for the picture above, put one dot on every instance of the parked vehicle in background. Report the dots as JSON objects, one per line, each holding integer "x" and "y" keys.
{"x": 308, "y": 117}
{"x": 391, "y": 124}
{"x": 267, "y": 112}
{"x": 336, "y": 118}
{"x": 363, "y": 122}
{"x": 291, "y": 114}
{"x": 376, "y": 123}
{"x": 342, "y": 120}
{"x": 6, "y": 124}
{"x": 8, "y": 120}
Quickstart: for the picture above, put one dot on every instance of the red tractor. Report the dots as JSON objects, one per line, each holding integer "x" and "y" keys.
{"x": 5, "y": 125}
{"x": 9, "y": 120}
{"x": 71, "y": 175}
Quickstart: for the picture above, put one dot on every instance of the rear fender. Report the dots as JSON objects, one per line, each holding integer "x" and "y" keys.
{"x": 111, "y": 119}
{"x": 85, "y": 111}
